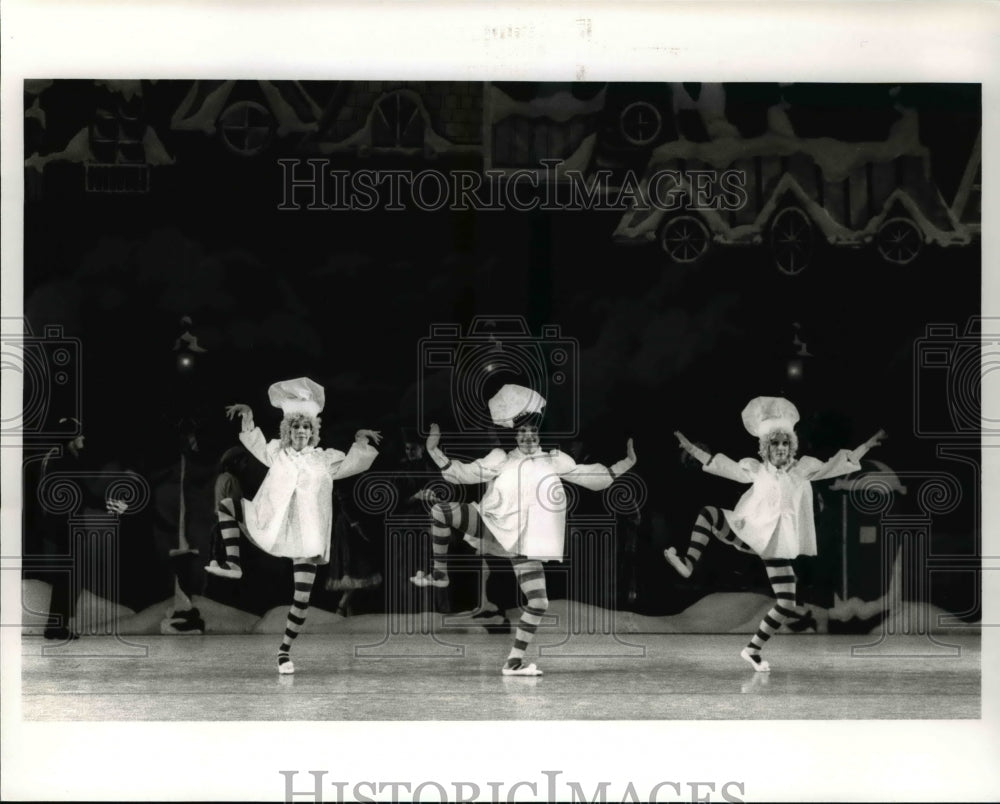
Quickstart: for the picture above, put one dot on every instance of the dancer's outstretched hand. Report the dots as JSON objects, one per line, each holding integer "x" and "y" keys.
{"x": 434, "y": 438}
{"x": 245, "y": 414}
{"x": 687, "y": 445}
{"x": 630, "y": 451}
{"x": 364, "y": 435}
{"x": 118, "y": 507}
{"x": 696, "y": 452}
{"x": 876, "y": 439}
{"x": 426, "y": 495}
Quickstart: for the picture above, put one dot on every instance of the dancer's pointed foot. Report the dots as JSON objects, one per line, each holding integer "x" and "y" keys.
{"x": 681, "y": 565}
{"x": 230, "y": 570}
{"x": 759, "y": 665}
{"x": 436, "y": 578}
{"x": 285, "y": 666}
{"x": 515, "y": 667}
{"x": 188, "y": 621}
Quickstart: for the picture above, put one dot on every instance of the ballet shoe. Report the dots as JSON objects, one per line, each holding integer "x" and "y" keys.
{"x": 231, "y": 571}
{"x": 678, "y": 563}
{"x": 429, "y": 580}
{"x": 521, "y": 670}
{"x": 758, "y": 664}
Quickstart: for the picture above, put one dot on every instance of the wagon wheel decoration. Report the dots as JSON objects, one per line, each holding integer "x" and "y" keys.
{"x": 685, "y": 239}
{"x": 792, "y": 240}
{"x": 246, "y": 128}
{"x": 899, "y": 241}
{"x": 640, "y": 123}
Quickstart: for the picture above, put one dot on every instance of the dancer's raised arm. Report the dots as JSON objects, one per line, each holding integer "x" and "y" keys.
{"x": 359, "y": 457}
{"x": 245, "y": 414}
{"x": 482, "y": 470}
{"x": 597, "y": 476}
{"x": 843, "y": 463}
{"x": 859, "y": 452}
{"x": 250, "y": 435}
{"x": 693, "y": 450}
{"x": 363, "y": 436}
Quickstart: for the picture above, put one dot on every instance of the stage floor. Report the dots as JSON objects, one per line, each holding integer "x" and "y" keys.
{"x": 638, "y": 677}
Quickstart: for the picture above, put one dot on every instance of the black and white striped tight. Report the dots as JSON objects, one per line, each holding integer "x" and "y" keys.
{"x": 303, "y": 572}
{"x": 529, "y": 572}
{"x": 712, "y": 523}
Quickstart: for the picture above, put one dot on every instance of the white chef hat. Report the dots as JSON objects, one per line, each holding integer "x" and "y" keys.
{"x": 764, "y": 414}
{"x": 513, "y": 401}
{"x": 301, "y": 395}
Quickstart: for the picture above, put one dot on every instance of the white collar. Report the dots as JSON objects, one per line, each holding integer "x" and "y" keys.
{"x": 516, "y": 454}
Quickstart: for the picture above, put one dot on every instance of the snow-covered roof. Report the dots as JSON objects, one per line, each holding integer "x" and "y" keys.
{"x": 559, "y": 107}
{"x": 836, "y": 159}
{"x": 640, "y": 223}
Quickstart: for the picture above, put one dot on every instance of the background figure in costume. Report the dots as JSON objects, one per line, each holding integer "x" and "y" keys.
{"x": 354, "y": 563}
{"x": 522, "y": 515}
{"x": 48, "y": 535}
{"x": 413, "y": 480}
{"x": 182, "y": 617}
{"x": 292, "y": 513}
{"x": 774, "y": 518}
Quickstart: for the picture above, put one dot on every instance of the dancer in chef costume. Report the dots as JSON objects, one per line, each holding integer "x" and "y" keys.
{"x": 774, "y": 518}
{"x": 292, "y": 513}
{"x": 522, "y": 515}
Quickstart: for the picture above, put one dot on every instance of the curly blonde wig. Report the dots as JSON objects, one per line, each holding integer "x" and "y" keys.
{"x": 765, "y": 440}
{"x": 291, "y": 420}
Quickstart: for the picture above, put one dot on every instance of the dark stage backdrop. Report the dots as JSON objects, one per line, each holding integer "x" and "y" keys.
{"x": 667, "y": 251}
